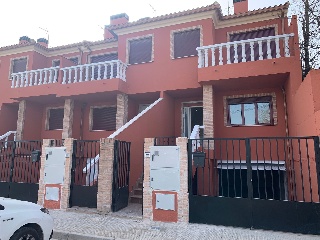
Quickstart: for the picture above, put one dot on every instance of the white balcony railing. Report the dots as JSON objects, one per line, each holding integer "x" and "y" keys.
{"x": 244, "y": 51}
{"x": 94, "y": 71}
{"x": 35, "y": 77}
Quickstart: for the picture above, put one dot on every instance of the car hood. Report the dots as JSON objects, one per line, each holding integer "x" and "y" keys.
{"x": 9, "y": 203}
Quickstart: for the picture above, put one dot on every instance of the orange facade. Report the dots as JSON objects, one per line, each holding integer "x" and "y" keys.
{"x": 178, "y": 81}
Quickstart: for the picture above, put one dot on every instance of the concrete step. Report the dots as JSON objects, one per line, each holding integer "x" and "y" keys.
{"x": 136, "y": 199}
{"x": 138, "y": 191}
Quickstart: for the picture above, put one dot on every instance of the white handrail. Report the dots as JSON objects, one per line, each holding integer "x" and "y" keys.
{"x": 91, "y": 176}
{"x": 195, "y": 134}
{"x": 6, "y": 135}
{"x": 203, "y": 52}
{"x": 94, "y": 71}
{"x": 35, "y": 77}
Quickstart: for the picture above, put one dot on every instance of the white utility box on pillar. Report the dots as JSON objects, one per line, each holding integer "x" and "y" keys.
{"x": 165, "y": 168}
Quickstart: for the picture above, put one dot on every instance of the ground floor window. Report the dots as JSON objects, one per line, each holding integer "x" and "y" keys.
{"x": 103, "y": 118}
{"x": 250, "y": 111}
{"x": 55, "y": 119}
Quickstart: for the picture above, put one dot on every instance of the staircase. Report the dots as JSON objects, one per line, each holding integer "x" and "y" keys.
{"x": 136, "y": 194}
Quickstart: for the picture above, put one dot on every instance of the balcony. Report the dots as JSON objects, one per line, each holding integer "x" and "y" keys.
{"x": 267, "y": 56}
{"x": 72, "y": 80}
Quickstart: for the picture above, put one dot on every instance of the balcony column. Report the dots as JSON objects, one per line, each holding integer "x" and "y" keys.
{"x": 208, "y": 111}
{"x": 21, "y": 119}
{"x": 68, "y": 118}
{"x": 122, "y": 110}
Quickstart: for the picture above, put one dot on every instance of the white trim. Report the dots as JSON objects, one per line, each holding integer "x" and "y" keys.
{"x": 116, "y": 133}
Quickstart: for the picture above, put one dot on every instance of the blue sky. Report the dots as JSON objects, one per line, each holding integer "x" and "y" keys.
{"x": 70, "y": 21}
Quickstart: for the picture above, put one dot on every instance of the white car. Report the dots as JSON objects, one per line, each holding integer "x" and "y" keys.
{"x": 24, "y": 221}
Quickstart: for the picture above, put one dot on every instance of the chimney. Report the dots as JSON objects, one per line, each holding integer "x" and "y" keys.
{"x": 240, "y": 6}
{"x": 24, "y": 40}
{"x": 121, "y": 18}
{"x": 43, "y": 42}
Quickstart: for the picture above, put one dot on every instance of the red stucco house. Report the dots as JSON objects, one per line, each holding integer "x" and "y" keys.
{"x": 237, "y": 76}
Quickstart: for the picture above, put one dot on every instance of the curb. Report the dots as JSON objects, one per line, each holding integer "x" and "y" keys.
{"x": 73, "y": 236}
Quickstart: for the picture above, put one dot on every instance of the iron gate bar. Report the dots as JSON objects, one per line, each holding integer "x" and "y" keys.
{"x": 19, "y": 175}
{"x": 272, "y": 172}
{"x": 121, "y": 174}
{"x": 83, "y": 188}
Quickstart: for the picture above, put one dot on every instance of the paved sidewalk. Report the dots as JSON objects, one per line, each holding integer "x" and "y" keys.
{"x": 86, "y": 224}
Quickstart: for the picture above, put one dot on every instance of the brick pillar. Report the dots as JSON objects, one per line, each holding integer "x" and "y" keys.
{"x": 105, "y": 177}
{"x": 183, "y": 195}
{"x": 21, "y": 119}
{"x": 41, "y": 191}
{"x": 122, "y": 110}
{"x": 65, "y": 188}
{"x": 147, "y": 191}
{"x": 208, "y": 109}
{"x": 68, "y": 118}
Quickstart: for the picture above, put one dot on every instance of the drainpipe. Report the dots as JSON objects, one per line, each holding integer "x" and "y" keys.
{"x": 285, "y": 111}
{"x": 85, "y": 44}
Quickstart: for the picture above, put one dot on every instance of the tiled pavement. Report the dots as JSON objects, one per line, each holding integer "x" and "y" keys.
{"x": 86, "y": 224}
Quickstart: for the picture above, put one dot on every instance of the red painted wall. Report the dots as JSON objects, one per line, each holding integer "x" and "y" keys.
{"x": 158, "y": 121}
{"x": 222, "y": 131}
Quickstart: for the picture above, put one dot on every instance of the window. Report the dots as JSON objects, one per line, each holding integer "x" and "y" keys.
{"x": 103, "y": 118}
{"x": 55, "y": 116}
{"x": 250, "y": 111}
{"x": 140, "y": 50}
{"x": 258, "y": 33}
{"x": 19, "y": 65}
{"x": 75, "y": 60}
{"x": 104, "y": 58}
{"x": 143, "y": 107}
{"x": 55, "y": 63}
{"x": 185, "y": 43}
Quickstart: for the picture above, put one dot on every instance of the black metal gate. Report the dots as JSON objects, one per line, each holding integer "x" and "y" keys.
{"x": 121, "y": 173}
{"x": 19, "y": 175}
{"x": 84, "y": 173}
{"x": 261, "y": 183}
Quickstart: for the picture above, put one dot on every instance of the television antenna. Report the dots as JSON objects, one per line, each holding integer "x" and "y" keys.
{"x": 46, "y": 30}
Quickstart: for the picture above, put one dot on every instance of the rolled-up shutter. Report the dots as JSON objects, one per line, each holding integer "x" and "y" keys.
{"x": 266, "y": 32}
{"x": 186, "y": 42}
{"x": 56, "y": 118}
{"x": 104, "y": 118}
{"x": 140, "y": 50}
{"x": 19, "y": 65}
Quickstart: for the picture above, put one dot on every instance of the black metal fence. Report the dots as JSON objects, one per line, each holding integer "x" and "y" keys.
{"x": 165, "y": 141}
{"x": 121, "y": 174}
{"x": 19, "y": 173}
{"x": 244, "y": 170}
{"x": 84, "y": 173}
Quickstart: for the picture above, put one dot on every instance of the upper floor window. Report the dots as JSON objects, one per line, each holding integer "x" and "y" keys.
{"x": 103, "y": 118}
{"x": 19, "y": 65}
{"x": 104, "y": 58}
{"x": 256, "y": 33}
{"x": 140, "y": 50}
{"x": 55, "y": 63}
{"x": 55, "y": 118}
{"x": 250, "y": 111}
{"x": 75, "y": 60}
{"x": 185, "y": 42}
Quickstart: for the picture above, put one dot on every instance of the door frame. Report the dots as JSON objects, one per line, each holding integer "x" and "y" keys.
{"x": 186, "y": 110}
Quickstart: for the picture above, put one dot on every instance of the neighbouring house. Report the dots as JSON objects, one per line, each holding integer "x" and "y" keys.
{"x": 238, "y": 76}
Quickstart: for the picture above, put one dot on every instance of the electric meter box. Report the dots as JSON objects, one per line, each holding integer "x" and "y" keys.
{"x": 165, "y": 168}
{"x": 55, "y": 165}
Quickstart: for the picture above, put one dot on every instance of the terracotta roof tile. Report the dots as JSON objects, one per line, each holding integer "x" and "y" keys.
{"x": 258, "y": 11}
{"x": 214, "y": 6}
{"x": 211, "y": 7}
{"x": 58, "y": 47}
